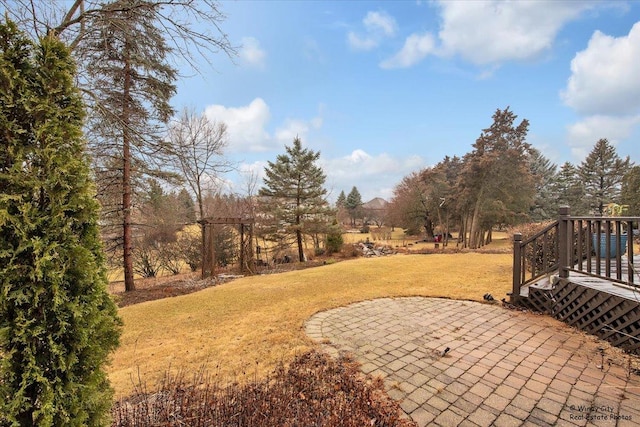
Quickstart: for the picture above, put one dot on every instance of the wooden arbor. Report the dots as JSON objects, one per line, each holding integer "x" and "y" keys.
{"x": 245, "y": 230}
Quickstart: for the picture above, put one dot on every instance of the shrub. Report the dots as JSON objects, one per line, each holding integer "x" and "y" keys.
{"x": 171, "y": 257}
{"x": 334, "y": 243}
{"x": 314, "y": 391}
{"x": 58, "y": 324}
{"x": 190, "y": 247}
{"x": 146, "y": 259}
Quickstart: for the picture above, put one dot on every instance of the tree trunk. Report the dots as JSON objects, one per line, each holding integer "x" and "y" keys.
{"x": 462, "y": 233}
{"x": 300, "y": 248}
{"x": 127, "y": 240}
{"x": 475, "y": 223}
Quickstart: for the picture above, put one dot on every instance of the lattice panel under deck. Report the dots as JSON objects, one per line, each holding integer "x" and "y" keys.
{"x": 610, "y": 317}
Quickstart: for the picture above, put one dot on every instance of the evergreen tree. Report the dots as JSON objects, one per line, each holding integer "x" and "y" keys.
{"x": 342, "y": 199}
{"x": 570, "y": 190}
{"x": 496, "y": 185}
{"x": 187, "y": 205}
{"x": 125, "y": 54}
{"x": 630, "y": 194}
{"x": 353, "y": 204}
{"x": 334, "y": 240}
{"x": 295, "y": 193}
{"x": 545, "y": 203}
{"x": 341, "y": 211}
{"x": 602, "y": 172}
{"x": 57, "y": 322}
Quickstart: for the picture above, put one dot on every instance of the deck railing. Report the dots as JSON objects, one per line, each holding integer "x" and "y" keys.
{"x": 601, "y": 247}
{"x": 534, "y": 258}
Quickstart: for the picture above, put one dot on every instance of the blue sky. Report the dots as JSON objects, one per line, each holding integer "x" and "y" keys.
{"x": 382, "y": 89}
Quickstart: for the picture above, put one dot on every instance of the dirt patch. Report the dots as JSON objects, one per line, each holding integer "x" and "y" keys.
{"x": 154, "y": 288}
{"x": 159, "y": 287}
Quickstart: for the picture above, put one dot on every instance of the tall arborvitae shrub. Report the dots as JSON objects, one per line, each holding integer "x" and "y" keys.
{"x": 58, "y": 324}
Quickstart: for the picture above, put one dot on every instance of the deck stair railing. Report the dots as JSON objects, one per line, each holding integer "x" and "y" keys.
{"x": 601, "y": 247}
{"x": 534, "y": 258}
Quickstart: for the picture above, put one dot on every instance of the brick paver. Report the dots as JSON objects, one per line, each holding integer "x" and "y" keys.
{"x": 502, "y": 367}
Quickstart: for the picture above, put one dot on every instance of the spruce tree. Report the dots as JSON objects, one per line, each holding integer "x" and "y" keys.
{"x": 58, "y": 324}
{"x": 295, "y": 194}
{"x": 545, "y": 202}
{"x": 602, "y": 172}
{"x": 341, "y": 210}
{"x": 341, "y": 200}
{"x": 126, "y": 59}
{"x": 630, "y": 193}
{"x": 354, "y": 204}
{"x": 570, "y": 190}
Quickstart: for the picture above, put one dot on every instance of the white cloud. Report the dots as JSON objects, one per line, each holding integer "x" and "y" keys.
{"x": 415, "y": 49}
{"x": 584, "y": 134}
{"x": 251, "y": 52}
{"x": 378, "y": 25}
{"x": 246, "y": 125}
{"x": 293, "y": 128}
{"x": 495, "y": 31}
{"x": 361, "y": 163}
{"x": 375, "y": 176}
{"x": 361, "y": 42}
{"x": 490, "y": 32}
{"x": 604, "y": 76}
{"x": 380, "y": 22}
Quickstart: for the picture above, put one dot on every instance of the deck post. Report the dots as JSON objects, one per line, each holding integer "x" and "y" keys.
{"x": 563, "y": 241}
{"x": 517, "y": 268}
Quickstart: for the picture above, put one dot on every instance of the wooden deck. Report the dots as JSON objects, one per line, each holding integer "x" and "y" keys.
{"x": 563, "y": 270}
{"x": 598, "y": 283}
{"x": 605, "y": 308}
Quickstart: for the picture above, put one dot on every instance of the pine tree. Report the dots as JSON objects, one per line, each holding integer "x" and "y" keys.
{"x": 602, "y": 172}
{"x": 630, "y": 193}
{"x": 341, "y": 210}
{"x": 57, "y": 322}
{"x": 187, "y": 205}
{"x": 125, "y": 55}
{"x": 496, "y": 186}
{"x": 570, "y": 190}
{"x": 295, "y": 193}
{"x": 334, "y": 239}
{"x": 353, "y": 204}
{"x": 341, "y": 200}
{"x": 545, "y": 203}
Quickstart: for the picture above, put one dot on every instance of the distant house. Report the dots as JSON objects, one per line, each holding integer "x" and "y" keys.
{"x": 375, "y": 211}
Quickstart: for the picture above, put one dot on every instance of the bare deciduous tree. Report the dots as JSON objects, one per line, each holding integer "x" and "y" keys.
{"x": 196, "y": 147}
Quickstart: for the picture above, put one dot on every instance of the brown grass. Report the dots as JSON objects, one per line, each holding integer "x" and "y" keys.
{"x": 258, "y": 321}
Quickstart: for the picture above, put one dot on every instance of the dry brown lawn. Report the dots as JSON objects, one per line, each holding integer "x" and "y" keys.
{"x": 243, "y": 329}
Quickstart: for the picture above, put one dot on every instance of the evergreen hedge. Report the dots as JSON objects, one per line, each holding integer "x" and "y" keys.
{"x": 58, "y": 324}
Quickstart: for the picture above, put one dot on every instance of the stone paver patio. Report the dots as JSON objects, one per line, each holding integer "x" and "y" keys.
{"x": 503, "y": 367}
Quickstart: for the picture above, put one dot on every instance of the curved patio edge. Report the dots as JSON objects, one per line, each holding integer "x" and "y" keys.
{"x": 467, "y": 363}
